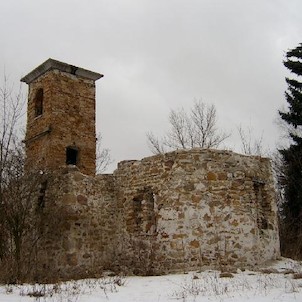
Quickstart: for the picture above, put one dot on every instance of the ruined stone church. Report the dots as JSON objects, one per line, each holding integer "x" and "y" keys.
{"x": 183, "y": 210}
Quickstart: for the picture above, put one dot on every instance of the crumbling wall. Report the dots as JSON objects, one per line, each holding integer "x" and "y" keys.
{"x": 184, "y": 210}
{"x": 83, "y": 244}
{"x": 196, "y": 208}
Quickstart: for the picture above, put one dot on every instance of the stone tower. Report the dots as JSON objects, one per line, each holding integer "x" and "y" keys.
{"x": 61, "y": 117}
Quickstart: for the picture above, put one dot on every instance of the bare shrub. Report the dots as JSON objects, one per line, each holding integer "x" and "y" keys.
{"x": 71, "y": 290}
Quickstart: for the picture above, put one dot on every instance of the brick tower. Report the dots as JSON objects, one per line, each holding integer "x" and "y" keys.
{"x": 61, "y": 117}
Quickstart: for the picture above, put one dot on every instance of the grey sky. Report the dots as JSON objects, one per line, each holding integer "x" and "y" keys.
{"x": 157, "y": 55}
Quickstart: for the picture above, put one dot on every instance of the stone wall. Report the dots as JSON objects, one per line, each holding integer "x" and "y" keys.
{"x": 190, "y": 209}
{"x": 180, "y": 211}
{"x": 82, "y": 242}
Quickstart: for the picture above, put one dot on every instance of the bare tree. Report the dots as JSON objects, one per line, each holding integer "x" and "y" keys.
{"x": 198, "y": 128}
{"x": 249, "y": 144}
{"x": 16, "y": 191}
{"x": 103, "y": 157}
{"x": 11, "y": 111}
{"x": 155, "y": 144}
{"x": 18, "y": 217}
{"x": 205, "y": 126}
{"x": 23, "y": 218}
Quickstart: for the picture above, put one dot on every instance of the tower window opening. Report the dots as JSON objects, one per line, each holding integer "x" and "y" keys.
{"x": 39, "y": 102}
{"x": 72, "y": 155}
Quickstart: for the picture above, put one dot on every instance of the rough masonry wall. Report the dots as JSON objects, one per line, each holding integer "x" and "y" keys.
{"x": 184, "y": 210}
{"x": 192, "y": 209}
{"x": 83, "y": 241}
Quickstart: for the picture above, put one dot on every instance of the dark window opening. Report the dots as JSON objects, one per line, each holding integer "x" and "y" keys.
{"x": 137, "y": 211}
{"x": 71, "y": 156}
{"x": 144, "y": 212}
{"x": 263, "y": 205}
{"x": 39, "y": 102}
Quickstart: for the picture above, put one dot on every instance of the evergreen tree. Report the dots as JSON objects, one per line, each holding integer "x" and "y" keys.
{"x": 292, "y": 156}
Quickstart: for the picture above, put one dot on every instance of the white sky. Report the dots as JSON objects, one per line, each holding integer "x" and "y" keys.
{"x": 161, "y": 54}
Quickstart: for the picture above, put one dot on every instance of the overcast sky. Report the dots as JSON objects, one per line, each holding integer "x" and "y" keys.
{"x": 158, "y": 55}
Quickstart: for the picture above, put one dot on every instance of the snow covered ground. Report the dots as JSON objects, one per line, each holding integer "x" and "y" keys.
{"x": 281, "y": 281}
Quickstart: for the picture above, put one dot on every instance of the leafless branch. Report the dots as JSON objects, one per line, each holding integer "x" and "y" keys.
{"x": 189, "y": 130}
{"x": 155, "y": 145}
{"x": 249, "y": 144}
{"x": 103, "y": 158}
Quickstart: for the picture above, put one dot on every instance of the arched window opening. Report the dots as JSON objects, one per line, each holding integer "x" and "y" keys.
{"x": 72, "y": 155}
{"x": 39, "y": 102}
